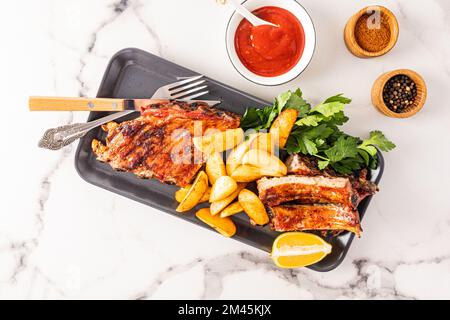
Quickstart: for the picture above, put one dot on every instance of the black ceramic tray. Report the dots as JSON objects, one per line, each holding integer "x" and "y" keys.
{"x": 134, "y": 73}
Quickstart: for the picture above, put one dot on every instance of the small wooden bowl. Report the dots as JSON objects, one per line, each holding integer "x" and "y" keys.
{"x": 349, "y": 32}
{"x": 377, "y": 93}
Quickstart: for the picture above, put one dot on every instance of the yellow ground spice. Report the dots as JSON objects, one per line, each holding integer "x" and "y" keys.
{"x": 372, "y": 35}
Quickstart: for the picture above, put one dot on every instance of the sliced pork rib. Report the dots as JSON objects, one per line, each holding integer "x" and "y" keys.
{"x": 307, "y": 190}
{"x": 303, "y": 165}
{"x": 327, "y": 217}
{"x": 313, "y": 199}
{"x": 299, "y": 164}
{"x": 158, "y": 144}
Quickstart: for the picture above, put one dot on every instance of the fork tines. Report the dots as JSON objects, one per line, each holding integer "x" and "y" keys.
{"x": 188, "y": 89}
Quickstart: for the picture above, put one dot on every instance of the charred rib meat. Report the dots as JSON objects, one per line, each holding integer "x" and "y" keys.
{"x": 307, "y": 166}
{"x": 158, "y": 144}
{"x": 313, "y": 199}
{"x": 296, "y": 217}
{"x": 304, "y": 189}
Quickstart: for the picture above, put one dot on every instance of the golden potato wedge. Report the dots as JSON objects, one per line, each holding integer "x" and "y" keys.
{"x": 195, "y": 193}
{"x": 271, "y": 172}
{"x": 264, "y": 160}
{"x": 253, "y": 207}
{"x": 234, "y": 160}
{"x": 218, "y": 206}
{"x": 215, "y": 167}
{"x": 225, "y": 226}
{"x": 264, "y": 141}
{"x": 246, "y": 173}
{"x": 182, "y": 192}
{"x": 283, "y": 125}
{"x": 223, "y": 187}
{"x": 231, "y": 210}
{"x": 219, "y": 141}
{"x": 206, "y": 195}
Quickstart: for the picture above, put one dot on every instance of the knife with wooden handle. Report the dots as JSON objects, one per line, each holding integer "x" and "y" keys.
{"x": 96, "y": 104}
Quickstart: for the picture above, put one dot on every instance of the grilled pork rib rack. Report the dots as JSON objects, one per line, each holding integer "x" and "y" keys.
{"x": 311, "y": 199}
{"x": 158, "y": 144}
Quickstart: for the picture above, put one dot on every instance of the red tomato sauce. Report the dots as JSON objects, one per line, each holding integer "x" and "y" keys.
{"x": 270, "y": 51}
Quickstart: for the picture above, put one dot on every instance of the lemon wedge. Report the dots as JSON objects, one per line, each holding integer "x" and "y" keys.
{"x": 298, "y": 249}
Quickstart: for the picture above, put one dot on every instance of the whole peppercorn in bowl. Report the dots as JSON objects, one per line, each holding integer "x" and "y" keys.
{"x": 399, "y": 93}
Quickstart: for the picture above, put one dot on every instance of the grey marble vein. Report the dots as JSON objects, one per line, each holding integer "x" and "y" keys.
{"x": 117, "y": 8}
{"x": 216, "y": 269}
{"x": 27, "y": 247}
{"x": 137, "y": 8}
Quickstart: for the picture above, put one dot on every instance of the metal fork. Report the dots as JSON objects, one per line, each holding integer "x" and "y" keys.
{"x": 177, "y": 90}
{"x": 185, "y": 90}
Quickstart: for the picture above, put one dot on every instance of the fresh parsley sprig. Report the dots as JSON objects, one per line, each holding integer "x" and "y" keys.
{"x": 259, "y": 119}
{"x": 316, "y": 132}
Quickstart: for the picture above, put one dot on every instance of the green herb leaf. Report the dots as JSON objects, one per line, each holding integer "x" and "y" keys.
{"x": 373, "y": 163}
{"x": 322, "y": 164}
{"x": 310, "y": 121}
{"x": 345, "y": 147}
{"x": 369, "y": 149}
{"x": 258, "y": 119}
{"x": 282, "y": 99}
{"x": 269, "y": 116}
{"x": 339, "y": 98}
{"x": 329, "y": 109}
{"x": 251, "y": 118}
{"x": 308, "y": 146}
{"x": 365, "y": 156}
{"x": 347, "y": 166}
{"x": 337, "y": 119}
{"x": 321, "y": 131}
{"x": 297, "y": 102}
{"x": 292, "y": 145}
{"x": 378, "y": 139}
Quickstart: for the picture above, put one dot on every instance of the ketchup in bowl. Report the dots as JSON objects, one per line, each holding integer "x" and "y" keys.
{"x": 270, "y": 51}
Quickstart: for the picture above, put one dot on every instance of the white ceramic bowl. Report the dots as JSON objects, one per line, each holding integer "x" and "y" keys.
{"x": 310, "y": 41}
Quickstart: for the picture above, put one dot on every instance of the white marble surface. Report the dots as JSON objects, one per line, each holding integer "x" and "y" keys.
{"x": 63, "y": 238}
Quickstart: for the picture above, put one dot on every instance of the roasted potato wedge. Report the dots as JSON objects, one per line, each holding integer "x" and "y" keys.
{"x": 223, "y": 187}
{"x": 266, "y": 161}
{"x": 253, "y": 207}
{"x": 271, "y": 172}
{"x": 246, "y": 173}
{"x": 234, "y": 159}
{"x": 218, "y": 206}
{"x": 182, "y": 192}
{"x": 219, "y": 141}
{"x": 195, "y": 193}
{"x": 225, "y": 226}
{"x": 264, "y": 141}
{"x": 283, "y": 125}
{"x": 231, "y": 210}
{"x": 215, "y": 167}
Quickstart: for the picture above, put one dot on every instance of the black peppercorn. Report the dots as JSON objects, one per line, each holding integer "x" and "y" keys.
{"x": 399, "y": 93}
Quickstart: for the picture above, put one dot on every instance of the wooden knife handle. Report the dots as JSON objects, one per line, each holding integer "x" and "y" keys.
{"x": 75, "y": 104}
